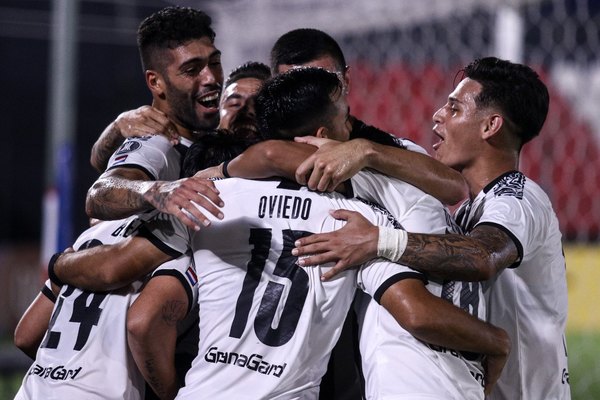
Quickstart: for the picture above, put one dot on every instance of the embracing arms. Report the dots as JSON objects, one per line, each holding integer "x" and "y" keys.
{"x": 438, "y": 322}
{"x": 474, "y": 257}
{"x": 121, "y": 192}
{"x": 142, "y": 121}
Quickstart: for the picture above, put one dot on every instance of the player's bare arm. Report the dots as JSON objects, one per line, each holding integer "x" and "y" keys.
{"x": 122, "y": 192}
{"x": 269, "y": 158}
{"x": 108, "y": 267}
{"x": 152, "y": 332}
{"x": 335, "y": 162}
{"x": 436, "y": 321}
{"x": 142, "y": 121}
{"x": 474, "y": 257}
{"x": 32, "y": 326}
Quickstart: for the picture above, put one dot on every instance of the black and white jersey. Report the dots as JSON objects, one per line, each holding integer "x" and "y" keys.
{"x": 154, "y": 155}
{"x": 395, "y": 364}
{"x": 267, "y": 326}
{"x": 84, "y": 354}
{"x": 528, "y": 299}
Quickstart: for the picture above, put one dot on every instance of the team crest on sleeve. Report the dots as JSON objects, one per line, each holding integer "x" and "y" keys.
{"x": 511, "y": 185}
{"x": 129, "y": 146}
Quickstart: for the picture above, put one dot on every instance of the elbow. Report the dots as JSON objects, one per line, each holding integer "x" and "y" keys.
{"x": 419, "y": 324}
{"x": 24, "y": 342}
{"x": 458, "y": 191}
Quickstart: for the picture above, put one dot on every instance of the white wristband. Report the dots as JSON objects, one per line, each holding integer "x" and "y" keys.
{"x": 391, "y": 243}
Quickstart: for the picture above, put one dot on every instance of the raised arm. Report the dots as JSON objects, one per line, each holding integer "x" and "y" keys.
{"x": 152, "y": 332}
{"x": 438, "y": 322}
{"x": 142, "y": 121}
{"x": 474, "y": 257}
{"x": 107, "y": 267}
{"x": 121, "y": 192}
{"x": 335, "y": 162}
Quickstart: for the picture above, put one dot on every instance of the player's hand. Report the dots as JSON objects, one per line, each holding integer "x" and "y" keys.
{"x": 181, "y": 198}
{"x": 211, "y": 172}
{"x": 493, "y": 368}
{"x": 333, "y": 163}
{"x": 350, "y": 246}
{"x": 493, "y": 364}
{"x": 145, "y": 121}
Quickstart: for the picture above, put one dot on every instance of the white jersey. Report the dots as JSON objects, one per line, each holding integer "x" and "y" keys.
{"x": 395, "y": 364}
{"x": 267, "y": 326}
{"x": 154, "y": 155}
{"x": 529, "y": 299}
{"x": 84, "y": 354}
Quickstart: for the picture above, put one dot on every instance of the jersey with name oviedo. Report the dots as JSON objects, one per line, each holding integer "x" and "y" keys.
{"x": 267, "y": 326}
{"x": 84, "y": 354}
{"x": 528, "y": 299}
{"x": 395, "y": 364}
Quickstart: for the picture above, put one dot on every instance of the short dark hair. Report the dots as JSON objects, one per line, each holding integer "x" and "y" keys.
{"x": 250, "y": 69}
{"x": 301, "y": 46}
{"x": 212, "y": 149}
{"x": 296, "y": 103}
{"x": 515, "y": 89}
{"x": 169, "y": 28}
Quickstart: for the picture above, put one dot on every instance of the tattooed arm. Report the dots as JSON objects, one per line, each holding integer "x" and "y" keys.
{"x": 152, "y": 332}
{"x": 121, "y": 192}
{"x": 474, "y": 257}
{"x": 142, "y": 121}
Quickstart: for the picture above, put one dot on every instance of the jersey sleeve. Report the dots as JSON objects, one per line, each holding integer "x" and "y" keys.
{"x": 146, "y": 153}
{"x": 167, "y": 233}
{"x": 184, "y": 270}
{"x": 47, "y": 291}
{"x": 415, "y": 210}
{"x": 375, "y": 277}
{"x": 514, "y": 218}
{"x": 410, "y": 145}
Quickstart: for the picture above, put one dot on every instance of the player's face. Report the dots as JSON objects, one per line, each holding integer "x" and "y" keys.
{"x": 237, "y": 107}
{"x": 458, "y": 125}
{"x": 193, "y": 84}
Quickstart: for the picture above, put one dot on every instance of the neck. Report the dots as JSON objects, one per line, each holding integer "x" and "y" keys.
{"x": 182, "y": 131}
{"x": 487, "y": 168}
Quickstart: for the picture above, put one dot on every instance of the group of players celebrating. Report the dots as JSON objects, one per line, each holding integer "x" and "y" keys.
{"x": 240, "y": 229}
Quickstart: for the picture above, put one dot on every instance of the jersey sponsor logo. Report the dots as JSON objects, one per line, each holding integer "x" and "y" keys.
{"x": 511, "y": 185}
{"x": 129, "y": 146}
{"x": 253, "y": 362}
{"x": 58, "y": 373}
{"x": 286, "y": 207}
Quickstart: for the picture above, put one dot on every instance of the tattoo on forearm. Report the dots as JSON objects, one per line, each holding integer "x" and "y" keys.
{"x": 460, "y": 257}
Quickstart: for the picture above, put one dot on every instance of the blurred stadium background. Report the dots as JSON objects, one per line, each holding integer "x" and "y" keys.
{"x": 69, "y": 67}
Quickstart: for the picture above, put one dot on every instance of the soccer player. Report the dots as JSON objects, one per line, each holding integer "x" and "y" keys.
{"x": 184, "y": 74}
{"x": 513, "y": 240}
{"x": 84, "y": 353}
{"x": 383, "y": 152}
{"x": 274, "y": 338}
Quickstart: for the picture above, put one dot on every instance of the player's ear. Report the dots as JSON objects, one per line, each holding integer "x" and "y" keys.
{"x": 155, "y": 83}
{"x": 322, "y": 132}
{"x": 492, "y": 125}
{"x": 346, "y": 78}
